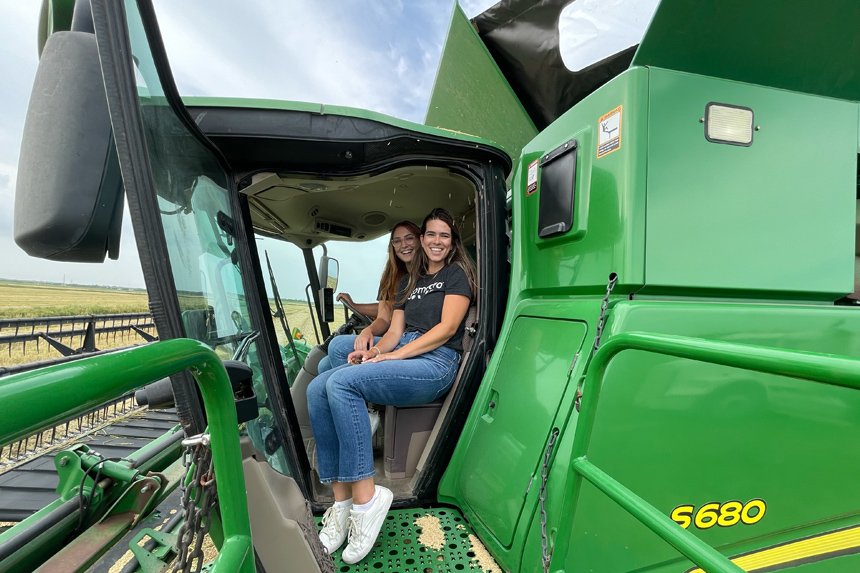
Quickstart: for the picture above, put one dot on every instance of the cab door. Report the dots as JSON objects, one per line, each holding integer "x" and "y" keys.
{"x": 190, "y": 228}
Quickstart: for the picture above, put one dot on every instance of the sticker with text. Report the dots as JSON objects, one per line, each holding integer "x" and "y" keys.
{"x": 531, "y": 181}
{"x": 721, "y": 514}
{"x": 609, "y": 132}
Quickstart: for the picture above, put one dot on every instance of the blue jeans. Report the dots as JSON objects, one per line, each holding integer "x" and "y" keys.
{"x": 337, "y": 405}
{"x": 338, "y": 349}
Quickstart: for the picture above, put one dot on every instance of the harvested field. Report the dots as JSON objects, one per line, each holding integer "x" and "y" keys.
{"x": 24, "y": 300}
{"x": 31, "y": 300}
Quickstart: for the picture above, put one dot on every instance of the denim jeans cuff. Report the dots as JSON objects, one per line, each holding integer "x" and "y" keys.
{"x": 347, "y": 479}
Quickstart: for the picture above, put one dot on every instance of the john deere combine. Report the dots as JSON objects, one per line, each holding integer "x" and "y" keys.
{"x": 661, "y": 370}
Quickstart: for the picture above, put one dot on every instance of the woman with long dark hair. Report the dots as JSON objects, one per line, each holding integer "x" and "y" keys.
{"x": 402, "y": 247}
{"x": 413, "y": 363}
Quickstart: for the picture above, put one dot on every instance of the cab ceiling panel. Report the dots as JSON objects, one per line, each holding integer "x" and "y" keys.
{"x": 310, "y": 210}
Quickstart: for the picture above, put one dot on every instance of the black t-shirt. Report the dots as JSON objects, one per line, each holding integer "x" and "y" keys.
{"x": 423, "y": 306}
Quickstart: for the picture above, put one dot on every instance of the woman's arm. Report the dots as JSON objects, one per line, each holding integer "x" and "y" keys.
{"x": 454, "y": 309}
{"x": 370, "y": 309}
{"x": 376, "y": 328}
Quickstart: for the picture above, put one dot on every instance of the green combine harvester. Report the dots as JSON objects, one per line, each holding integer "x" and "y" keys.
{"x": 661, "y": 371}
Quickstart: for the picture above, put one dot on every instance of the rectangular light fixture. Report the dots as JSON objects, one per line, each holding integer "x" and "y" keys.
{"x": 730, "y": 124}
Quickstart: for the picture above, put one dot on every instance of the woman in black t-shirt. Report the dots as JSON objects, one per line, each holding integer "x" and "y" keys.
{"x": 401, "y": 250}
{"x": 413, "y": 363}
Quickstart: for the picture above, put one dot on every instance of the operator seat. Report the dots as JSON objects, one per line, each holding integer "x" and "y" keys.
{"x": 409, "y": 428}
{"x": 299, "y": 391}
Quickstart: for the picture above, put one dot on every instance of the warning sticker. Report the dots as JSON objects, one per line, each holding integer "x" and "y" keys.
{"x": 609, "y": 132}
{"x": 531, "y": 182}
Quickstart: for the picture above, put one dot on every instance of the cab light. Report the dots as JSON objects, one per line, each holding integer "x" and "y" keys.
{"x": 728, "y": 124}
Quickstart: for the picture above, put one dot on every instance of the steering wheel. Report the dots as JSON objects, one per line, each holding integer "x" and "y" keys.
{"x": 361, "y": 316}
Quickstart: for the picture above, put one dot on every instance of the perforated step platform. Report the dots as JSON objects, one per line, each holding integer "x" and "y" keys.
{"x": 423, "y": 540}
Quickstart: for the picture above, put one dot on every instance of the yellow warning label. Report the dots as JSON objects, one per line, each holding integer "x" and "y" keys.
{"x": 609, "y": 132}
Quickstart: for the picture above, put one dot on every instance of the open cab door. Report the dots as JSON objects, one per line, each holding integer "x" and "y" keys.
{"x": 206, "y": 178}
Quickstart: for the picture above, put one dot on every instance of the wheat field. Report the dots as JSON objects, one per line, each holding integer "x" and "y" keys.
{"x": 30, "y": 300}
{"x": 27, "y": 300}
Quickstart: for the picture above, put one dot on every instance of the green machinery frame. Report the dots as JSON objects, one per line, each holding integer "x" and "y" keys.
{"x": 50, "y": 394}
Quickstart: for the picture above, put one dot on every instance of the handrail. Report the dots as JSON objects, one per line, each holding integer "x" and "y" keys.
{"x": 699, "y": 552}
{"x": 823, "y": 368}
{"x": 40, "y": 398}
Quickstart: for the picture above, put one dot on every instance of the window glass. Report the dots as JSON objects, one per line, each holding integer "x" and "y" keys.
{"x": 198, "y": 221}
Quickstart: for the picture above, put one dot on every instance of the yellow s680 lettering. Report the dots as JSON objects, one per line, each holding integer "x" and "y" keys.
{"x": 682, "y": 515}
{"x": 724, "y": 514}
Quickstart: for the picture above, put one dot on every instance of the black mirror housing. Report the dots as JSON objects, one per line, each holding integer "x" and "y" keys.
{"x": 69, "y": 195}
{"x": 327, "y": 304}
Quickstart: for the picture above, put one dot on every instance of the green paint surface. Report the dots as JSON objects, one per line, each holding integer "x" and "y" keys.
{"x": 608, "y": 233}
{"x": 791, "y": 44}
{"x": 471, "y": 95}
{"x": 775, "y": 216}
{"x": 505, "y": 446}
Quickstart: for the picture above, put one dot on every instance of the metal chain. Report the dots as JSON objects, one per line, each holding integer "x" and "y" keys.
{"x": 546, "y": 553}
{"x": 197, "y": 522}
{"x": 601, "y": 322}
{"x": 604, "y": 304}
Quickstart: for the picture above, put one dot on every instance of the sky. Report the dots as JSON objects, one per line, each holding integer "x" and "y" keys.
{"x": 380, "y": 56}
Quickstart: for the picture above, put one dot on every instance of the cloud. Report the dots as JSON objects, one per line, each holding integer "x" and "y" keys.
{"x": 474, "y": 7}
{"x": 359, "y": 54}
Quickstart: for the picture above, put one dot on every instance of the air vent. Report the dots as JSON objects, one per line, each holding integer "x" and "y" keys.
{"x": 374, "y": 218}
{"x": 332, "y": 228}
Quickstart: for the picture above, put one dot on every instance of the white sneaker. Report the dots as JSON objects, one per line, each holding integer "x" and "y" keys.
{"x": 334, "y": 530}
{"x": 364, "y": 526}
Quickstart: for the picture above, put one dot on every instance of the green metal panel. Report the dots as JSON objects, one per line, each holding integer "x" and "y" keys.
{"x": 796, "y": 45}
{"x": 778, "y": 215}
{"x": 504, "y": 447}
{"x": 608, "y": 233}
{"x": 677, "y": 431}
{"x": 471, "y": 94}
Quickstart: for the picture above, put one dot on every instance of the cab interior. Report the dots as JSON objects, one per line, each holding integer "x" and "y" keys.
{"x": 310, "y": 210}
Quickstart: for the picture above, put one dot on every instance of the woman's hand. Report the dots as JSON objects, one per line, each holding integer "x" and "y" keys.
{"x": 345, "y": 296}
{"x": 364, "y": 340}
{"x": 383, "y": 357}
{"x": 359, "y": 356}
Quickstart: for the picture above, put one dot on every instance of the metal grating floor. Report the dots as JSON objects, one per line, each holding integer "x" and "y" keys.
{"x": 398, "y": 549}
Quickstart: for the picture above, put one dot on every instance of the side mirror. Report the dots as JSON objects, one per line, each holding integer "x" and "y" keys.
{"x": 69, "y": 196}
{"x": 328, "y": 273}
